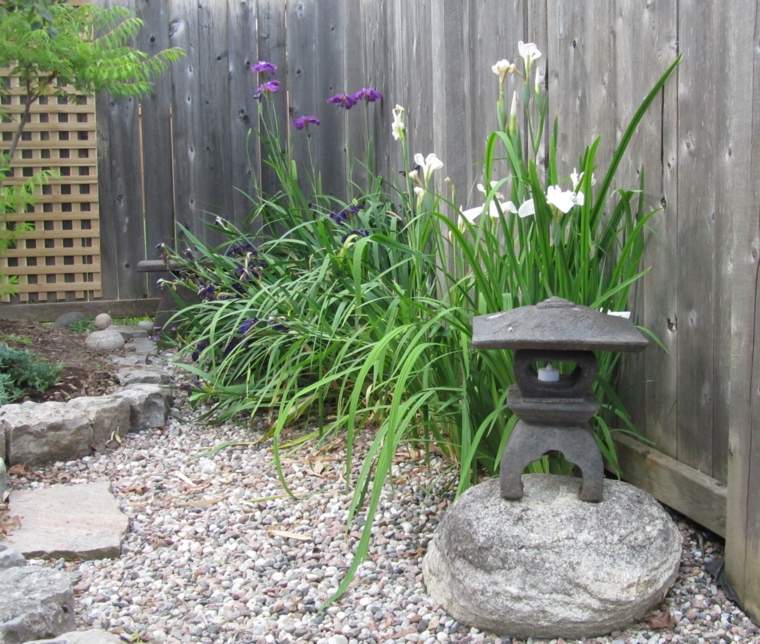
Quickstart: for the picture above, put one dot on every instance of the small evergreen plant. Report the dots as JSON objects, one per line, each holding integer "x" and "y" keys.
{"x": 58, "y": 49}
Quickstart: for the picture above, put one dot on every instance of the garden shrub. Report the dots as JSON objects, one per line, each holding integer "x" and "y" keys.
{"x": 355, "y": 316}
{"x": 22, "y": 372}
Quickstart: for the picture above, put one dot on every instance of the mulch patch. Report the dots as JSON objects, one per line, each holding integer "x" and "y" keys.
{"x": 85, "y": 373}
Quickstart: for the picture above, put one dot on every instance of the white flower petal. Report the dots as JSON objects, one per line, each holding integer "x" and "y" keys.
{"x": 620, "y": 314}
{"x": 563, "y": 200}
{"x": 576, "y": 178}
{"x": 527, "y": 209}
{"x": 419, "y": 159}
{"x": 471, "y": 214}
{"x": 508, "y": 206}
{"x": 528, "y": 51}
{"x": 579, "y": 198}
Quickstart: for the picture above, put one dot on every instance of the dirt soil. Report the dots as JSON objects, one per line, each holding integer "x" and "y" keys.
{"x": 85, "y": 373}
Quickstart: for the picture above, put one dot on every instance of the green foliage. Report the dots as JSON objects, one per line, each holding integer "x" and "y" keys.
{"x": 22, "y": 372}
{"x": 58, "y": 49}
{"x": 355, "y": 318}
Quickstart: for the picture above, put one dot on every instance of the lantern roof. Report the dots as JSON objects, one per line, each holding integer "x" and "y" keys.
{"x": 558, "y": 325}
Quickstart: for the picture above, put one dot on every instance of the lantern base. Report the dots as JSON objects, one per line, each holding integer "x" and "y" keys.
{"x": 552, "y": 566}
{"x": 530, "y": 442}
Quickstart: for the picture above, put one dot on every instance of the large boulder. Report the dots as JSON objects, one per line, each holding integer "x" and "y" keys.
{"x": 551, "y": 565}
{"x": 106, "y": 341}
{"x": 35, "y": 603}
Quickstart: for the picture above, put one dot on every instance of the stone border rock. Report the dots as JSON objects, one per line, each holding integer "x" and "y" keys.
{"x": 36, "y": 433}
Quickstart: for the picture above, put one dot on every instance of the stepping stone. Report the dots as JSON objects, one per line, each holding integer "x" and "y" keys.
{"x": 93, "y": 636}
{"x": 74, "y": 522}
{"x": 35, "y": 602}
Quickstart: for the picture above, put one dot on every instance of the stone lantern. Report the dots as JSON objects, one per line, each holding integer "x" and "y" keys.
{"x": 552, "y": 565}
{"x": 554, "y": 408}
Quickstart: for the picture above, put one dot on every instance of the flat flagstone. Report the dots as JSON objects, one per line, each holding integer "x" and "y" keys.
{"x": 80, "y": 521}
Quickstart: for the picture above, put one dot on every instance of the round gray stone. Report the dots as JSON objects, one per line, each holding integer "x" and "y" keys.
{"x": 102, "y": 321}
{"x": 551, "y": 565}
{"x": 146, "y": 325}
{"x": 105, "y": 341}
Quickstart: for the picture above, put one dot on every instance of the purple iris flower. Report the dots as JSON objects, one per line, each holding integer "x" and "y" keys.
{"x": 241, "y": 248}
{"x": 264, "y": 67}
{"x": 346, "y": 101}
{"x": 207, "y": 292}
{"x": 270, "y": 87}
{"x": 341, "y": 216}
{"x": 247, "y": 325}
{"x": 301, "y": 122}
{"x": 201, "y": 346}
{"x": 369, "y": 94}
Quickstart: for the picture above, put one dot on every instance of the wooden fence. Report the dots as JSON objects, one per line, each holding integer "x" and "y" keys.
{"x": 182, "y": 152}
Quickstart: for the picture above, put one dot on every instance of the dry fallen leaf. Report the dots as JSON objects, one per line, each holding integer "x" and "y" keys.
{"x": 660, "y": 620}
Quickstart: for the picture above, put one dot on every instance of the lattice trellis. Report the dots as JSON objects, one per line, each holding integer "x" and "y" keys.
{"x": 60, "y": 258}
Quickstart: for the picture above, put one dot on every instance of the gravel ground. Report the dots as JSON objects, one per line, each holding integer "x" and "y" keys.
{"x": 216, "y": 552}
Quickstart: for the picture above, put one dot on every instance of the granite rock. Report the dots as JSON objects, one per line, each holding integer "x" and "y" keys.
{"x": 35, "y": 603}
{"x": 149, "y": 405}
{"x": 551, "y": 565}
{"x": 43, "y": 432}
{"x": 106, "y": 341}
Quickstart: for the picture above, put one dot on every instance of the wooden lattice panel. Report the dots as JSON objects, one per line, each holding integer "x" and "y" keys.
{"x": 60, "y": 258}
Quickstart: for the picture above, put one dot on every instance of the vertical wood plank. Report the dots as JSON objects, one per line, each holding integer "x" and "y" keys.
{"x": 121, "y": 200}
{"x": 355, "y": 73}
{"x": 376, "y": 53}
{"x": 697, "y": 230}
{"x": 495, "y": 28}
{"x": 330, "y": 139}
{"x": 647, "y": 32}
{"x": 213, "y": 158}
{"x": 449, "y": 20}
{"x": 186, "y": 121}
{"x": 244, "y": 151}
{"x": 740, "y": 165}
{"x": 156, "y": 137}
{"x": 304, "y": 93}
{"x": 272, "y": 42}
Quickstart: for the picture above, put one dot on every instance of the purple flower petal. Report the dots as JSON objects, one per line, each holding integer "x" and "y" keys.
{"x": 270, "y": 87}
{"x": 264, "y": 67}
{"x": 301, "y": 122}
